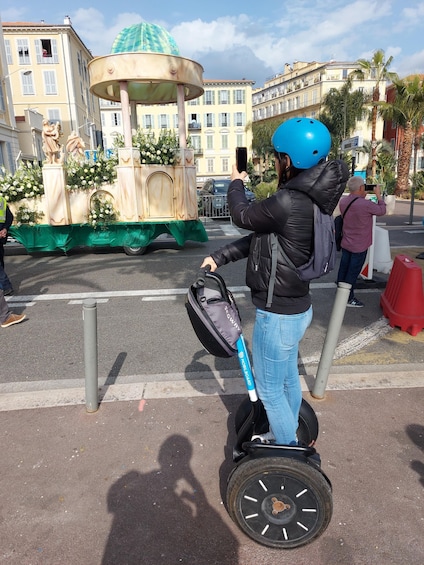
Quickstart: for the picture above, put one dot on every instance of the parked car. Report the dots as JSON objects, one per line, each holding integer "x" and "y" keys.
{"x": 212, "y": 198}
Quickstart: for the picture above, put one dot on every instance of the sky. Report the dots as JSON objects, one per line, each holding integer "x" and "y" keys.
{"x": 252, "y": 39}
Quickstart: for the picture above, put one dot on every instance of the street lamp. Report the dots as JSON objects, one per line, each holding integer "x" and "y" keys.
{"x": 25, "y": 72}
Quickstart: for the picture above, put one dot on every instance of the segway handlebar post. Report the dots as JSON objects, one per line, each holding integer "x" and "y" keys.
{"x": 331, "y": 338}
{"x": 246, "y": 369}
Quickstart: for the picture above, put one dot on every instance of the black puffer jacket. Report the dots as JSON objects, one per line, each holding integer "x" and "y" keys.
{"x": 288, "y": 213}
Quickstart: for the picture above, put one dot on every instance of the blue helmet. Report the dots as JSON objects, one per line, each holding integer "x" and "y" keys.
{"x": 304, "y": 140}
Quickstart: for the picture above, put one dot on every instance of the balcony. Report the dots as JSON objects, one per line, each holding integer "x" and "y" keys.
{"x": 198, "y": 151}
{"x": 194, "y": 126}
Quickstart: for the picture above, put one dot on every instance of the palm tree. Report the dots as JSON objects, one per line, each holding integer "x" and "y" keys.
{"x": 382, "y": 147}
{"x": 378, "y": 69}
{"x": 407, "y": 111}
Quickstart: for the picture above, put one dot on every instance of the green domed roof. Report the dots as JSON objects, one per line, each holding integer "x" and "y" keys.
{"x": 145, "y": 38}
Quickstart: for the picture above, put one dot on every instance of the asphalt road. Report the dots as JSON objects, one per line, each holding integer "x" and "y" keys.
{"x": 142, "y": 325}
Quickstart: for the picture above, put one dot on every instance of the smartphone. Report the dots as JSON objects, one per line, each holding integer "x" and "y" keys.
{"x": 370, "y": 187}
{"x": 241, "y": 159}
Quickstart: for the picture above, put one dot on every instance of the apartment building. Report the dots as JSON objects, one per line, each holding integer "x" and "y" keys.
{"x": 216, "y": 123}
{"x": 9, "y": 141}
{"x": 299, "y": 91}
{"x": 48, "y": 79}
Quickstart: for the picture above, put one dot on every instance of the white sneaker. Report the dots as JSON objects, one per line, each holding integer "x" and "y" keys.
{"x": 266, "y": 438}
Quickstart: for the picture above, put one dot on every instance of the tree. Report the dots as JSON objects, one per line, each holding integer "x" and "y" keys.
{"x": 341, "y": 110}
{"x": 378, "y": 69}
{"x": 383, "y": 151}
{"x": 407, "y": 111}
{"x": 261, "y": 142}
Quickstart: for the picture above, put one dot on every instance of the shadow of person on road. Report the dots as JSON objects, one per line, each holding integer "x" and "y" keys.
{"x": 164, "y": 516}
{"x": 416, "y": 434}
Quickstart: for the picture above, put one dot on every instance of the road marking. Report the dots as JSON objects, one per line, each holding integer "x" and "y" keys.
{"x": 99, "y": 301}
{"x": 162, "y": 292}
{"x": 355, "y": 342}
{"x": 158, "y": 298}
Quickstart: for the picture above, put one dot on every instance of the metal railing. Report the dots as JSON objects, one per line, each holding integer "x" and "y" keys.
{"x": 213, "y": 206}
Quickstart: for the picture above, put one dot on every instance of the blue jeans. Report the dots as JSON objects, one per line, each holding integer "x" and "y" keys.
{"x": 350, "y": 267}
{"x": 275, "y": 349}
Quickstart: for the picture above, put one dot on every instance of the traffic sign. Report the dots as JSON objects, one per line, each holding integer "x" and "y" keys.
{"x": 352, "y": 143}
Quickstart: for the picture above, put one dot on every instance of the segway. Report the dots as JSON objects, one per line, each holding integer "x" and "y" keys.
{"x": 277, "y": 494}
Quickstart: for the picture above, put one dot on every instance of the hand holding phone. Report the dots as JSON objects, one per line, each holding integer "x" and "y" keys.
{"x": 241, "y": 159}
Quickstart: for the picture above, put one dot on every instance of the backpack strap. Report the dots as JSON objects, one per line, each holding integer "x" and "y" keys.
{"x": 348, "y": 206}
{"x": 274, "y": 251}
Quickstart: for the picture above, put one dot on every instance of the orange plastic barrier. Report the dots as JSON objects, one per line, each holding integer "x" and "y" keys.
{"x": 403, "y": 300}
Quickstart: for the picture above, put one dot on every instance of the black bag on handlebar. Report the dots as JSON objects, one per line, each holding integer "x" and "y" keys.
{"x": 213, "y": 314}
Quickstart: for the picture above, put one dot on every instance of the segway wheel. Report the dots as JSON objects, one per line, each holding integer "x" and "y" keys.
{"x": 279, "y": 502}
{"x": 307, "y": 432}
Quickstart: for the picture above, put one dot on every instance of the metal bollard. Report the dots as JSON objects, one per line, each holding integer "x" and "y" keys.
{"x": 89, "y": 316}
{"x": 330, "y": 342}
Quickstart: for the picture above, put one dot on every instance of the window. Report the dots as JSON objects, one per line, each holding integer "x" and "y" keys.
{"x": 223, "y": 97}
{"x": 46, "y": 51}
{"x": 210, "y": 165}
{"x": 224, "y": 165}
{"x": 2, "y": 103}
{"x": 50, "y": 86}
{"x": 224, "y": 141}
{"x": 148, "y": 121}
{"x": 209, "y": 120}
{"x": 209, "y": 142}
{"x": 195, "y": 141}
{"x": 164, "y": 121}
{"x": 175, "y": 121}
{"x": 209, "y": 97}
{"x": 344, "y": 74}
{"x": 224, "y": 119}
{"x": 53, "y": 115}
{"x": 239, "y": 119}
{"x": 115, "y": 119}
{"x": 239, "y": 96}
{"x": 239, "y": 140}
{"x": 9, "y": 59}
{"x": 27, "y": 84}
{"x": 194, "y": 121}
{"x": 23, "y": 52}
{"x": 46, "y": 48}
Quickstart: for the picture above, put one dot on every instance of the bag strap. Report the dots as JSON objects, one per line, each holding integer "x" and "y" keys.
{"x": 271, "y": 284}
{"x": 348, "y": 206}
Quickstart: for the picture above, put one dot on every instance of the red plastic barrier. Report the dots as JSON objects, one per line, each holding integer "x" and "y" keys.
{"x": 403, "y": 300}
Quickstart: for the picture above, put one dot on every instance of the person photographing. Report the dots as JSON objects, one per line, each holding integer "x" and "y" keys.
{"x": 357, "y": 212}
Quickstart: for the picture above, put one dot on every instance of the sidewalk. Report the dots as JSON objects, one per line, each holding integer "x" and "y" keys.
{"x": 142, "y": 482}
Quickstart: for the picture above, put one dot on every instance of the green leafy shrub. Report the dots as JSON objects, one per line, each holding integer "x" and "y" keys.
{"x": 265, "y": 189}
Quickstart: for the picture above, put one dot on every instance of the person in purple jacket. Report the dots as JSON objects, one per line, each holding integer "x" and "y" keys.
{"x": 357, "y": 232}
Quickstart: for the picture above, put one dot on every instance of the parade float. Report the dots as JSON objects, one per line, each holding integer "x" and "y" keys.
{"x": 141, "y": 199}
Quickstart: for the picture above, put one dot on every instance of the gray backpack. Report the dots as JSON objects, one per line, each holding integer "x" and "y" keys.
{"x": 323, "y": 256}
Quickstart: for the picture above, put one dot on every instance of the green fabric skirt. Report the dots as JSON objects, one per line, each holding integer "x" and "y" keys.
{"x": 45, "y": 237}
